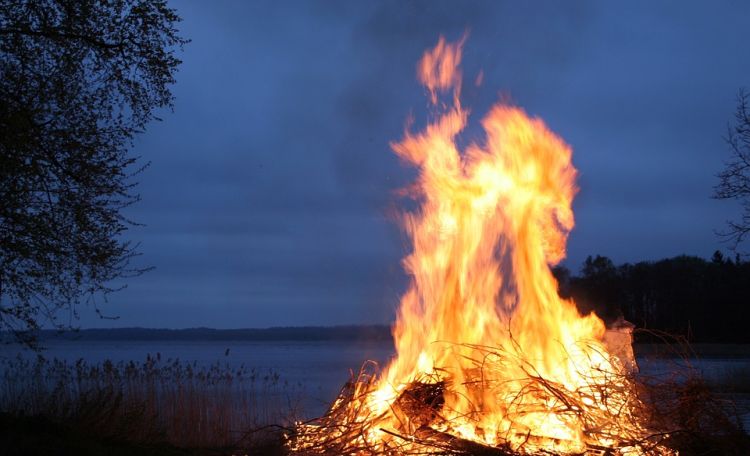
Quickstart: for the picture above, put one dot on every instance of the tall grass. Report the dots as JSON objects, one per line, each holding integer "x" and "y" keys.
{"x": 154, "y": 401}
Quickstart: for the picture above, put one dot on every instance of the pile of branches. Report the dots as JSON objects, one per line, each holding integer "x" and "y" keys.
{"x": 656, "y": 416}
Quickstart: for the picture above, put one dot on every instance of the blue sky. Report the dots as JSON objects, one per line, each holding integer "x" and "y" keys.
{"x": 271, "y": 185}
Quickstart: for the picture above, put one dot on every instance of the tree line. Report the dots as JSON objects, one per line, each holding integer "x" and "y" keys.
{"x": 703, "y": 300}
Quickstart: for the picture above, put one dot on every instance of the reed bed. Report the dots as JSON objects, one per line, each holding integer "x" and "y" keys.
{"x": 155, "y": 401}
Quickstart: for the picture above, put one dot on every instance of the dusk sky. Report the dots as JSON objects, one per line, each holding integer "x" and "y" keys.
{"x": 269, "y": 197}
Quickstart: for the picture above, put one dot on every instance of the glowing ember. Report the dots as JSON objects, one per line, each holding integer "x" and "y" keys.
{"x": 489, "y": 357}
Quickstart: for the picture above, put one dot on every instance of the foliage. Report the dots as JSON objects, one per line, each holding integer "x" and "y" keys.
{"x": 78, "y": 80}
{"x": 734, "y": 180}
{"x": 706, "y": 301}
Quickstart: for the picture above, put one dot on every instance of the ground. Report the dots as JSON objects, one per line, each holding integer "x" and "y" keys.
{"x": 26, "y": 436}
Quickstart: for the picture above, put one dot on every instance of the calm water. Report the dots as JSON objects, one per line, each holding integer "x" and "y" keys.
{"x": 316, "y": 369}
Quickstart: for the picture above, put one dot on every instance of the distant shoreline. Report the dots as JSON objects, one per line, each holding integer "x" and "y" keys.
{"x": 345, "y": 333}
{"x": 301, "y": 333}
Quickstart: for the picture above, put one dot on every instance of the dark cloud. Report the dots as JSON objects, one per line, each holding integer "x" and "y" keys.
{"x": 268, "y": 197}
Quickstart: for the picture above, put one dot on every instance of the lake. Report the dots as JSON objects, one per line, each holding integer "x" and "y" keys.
{"x": 316, "y": 370}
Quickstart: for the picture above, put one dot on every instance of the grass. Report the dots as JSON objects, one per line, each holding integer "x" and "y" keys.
{"x": 168, "y": 405}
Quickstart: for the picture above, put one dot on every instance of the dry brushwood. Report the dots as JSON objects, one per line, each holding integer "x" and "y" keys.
{"x": 349, "y": 426}
{"x": 421, "y": 402}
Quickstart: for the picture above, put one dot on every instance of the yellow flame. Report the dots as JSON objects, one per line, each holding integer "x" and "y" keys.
{"x": 482, "y": 313}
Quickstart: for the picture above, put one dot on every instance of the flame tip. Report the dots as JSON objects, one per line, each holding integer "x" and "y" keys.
{"x": 487, "y": 351}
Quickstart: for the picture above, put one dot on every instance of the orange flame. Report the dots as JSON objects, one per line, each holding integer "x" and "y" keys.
{"x": 438, "y": 69}
{"x": 482, "y": 312}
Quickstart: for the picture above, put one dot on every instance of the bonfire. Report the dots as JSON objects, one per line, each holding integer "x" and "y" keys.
{"x": 489, "y": 358}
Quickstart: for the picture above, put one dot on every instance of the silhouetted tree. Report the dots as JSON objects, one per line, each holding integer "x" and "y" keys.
{"x": 598, "y": 288}
{"x": 685, "y": 295}
{"x": 598, "y": 268}
{"x": 563, "y": 276}
{"x": 78, "y": 79}
{"x": 717, "y": 257}
{"x": 734, "y": 180}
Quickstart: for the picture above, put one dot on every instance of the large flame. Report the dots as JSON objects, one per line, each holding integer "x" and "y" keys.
{"x": 517, "y": 365}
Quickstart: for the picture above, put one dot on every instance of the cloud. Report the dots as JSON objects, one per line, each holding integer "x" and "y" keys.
{"x": 267, "y": 199}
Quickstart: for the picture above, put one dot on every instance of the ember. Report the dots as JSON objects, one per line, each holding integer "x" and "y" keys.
{"x": 490, "y": 360}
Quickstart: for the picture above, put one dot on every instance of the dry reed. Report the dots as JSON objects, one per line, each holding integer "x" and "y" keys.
{"x": 155, "y": 401}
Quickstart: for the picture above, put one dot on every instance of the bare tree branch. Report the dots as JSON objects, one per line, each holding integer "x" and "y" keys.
{"x": 734, "y": 180}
